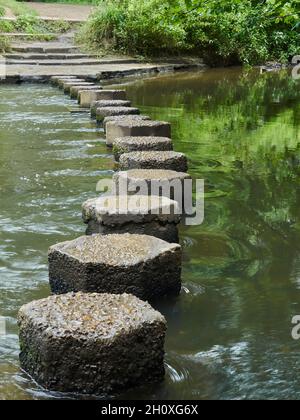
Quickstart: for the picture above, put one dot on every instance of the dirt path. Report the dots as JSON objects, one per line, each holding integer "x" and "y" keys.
{"x": 62, "y": 11}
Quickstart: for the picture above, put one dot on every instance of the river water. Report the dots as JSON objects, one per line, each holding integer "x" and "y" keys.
{"x": 229, "y": 334}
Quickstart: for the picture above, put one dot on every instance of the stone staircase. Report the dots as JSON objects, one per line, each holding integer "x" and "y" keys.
{"x": 39, "y": 61}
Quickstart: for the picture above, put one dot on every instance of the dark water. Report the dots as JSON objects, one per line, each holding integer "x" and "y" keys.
{"x": 230, "y": 331}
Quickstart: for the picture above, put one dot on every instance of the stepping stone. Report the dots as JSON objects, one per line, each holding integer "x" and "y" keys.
{"x": 143, "y": 215}
{"x": 154, "y": 160}
{"x": 133, "y": 144}
{"x": 92, "y": 343}
{"x": 76, "y": 90}
{"x": 86, "y": 98}
{"x": 160, "y": 182}
{"x": 116, "y": 264}
{"x": 107, "y": 104}
{"x": 68, "y": 85}
{"x": 136, "y": 129}
{"x": 63, "y": 81}
{"x": 101, "y": 113}
{"x": 55, "y": 79}
{"x": 124, "y": 118}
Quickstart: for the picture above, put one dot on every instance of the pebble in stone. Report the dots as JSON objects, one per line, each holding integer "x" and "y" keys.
{"x": 125, "y": 117}
{"x": 136, "y": 129}
{"x": 133, "y": 144}
{"x": 142, "y": 265}
{"x": 108, "y": 104}
{"x": 68, "y": 85}
{"x": 156, "y": 181}
{"x": 154, "y": 216}
{"x": 86, "y": 98}
{"x": 92, "y": 343}
{"x": 101, "y": 113}
{"x": 170, "y": 160}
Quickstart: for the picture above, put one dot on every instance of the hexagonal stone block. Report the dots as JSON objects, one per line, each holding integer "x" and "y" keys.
{"x": 134, "y": 144}
{"x": 129, "y": 128}
{"x": 116, "y": 264}
{"x": 55, "y": 79}
{"x": 86, "y": 98}
{"x": 68, "y": 85}
{"x": 124, "y": 118}
{"x": 160, "y": 182}
{"x": 62, "y": 82}
{"x": 170, "y": 160}
{"x": 76, "y": 90}
{"x": 143, "y": 215}
{"x": 92, "y": 343}
{"x": 108, "y": 104}
{"x": 101, "y": 113}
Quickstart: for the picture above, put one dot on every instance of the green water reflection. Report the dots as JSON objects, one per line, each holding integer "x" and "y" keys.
{"x": 230, "y": 331}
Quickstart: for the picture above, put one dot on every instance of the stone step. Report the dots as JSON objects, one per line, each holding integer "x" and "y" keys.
{"x": 169, "y": 160}
{"x": 163, "y": 182}
{"x": 154, "y": 216}
{"x": 102, "y": 113}
{"x": 68, "y": 62}
{"x": 136, "y": 129}
{"x": 40, "y": 49}
{"x": 89, "y": 98}
{"x": 92, "y": 343}
{"x": 28, "y": 56}
{"x": 117, "y": 118}
{"x": 134, "y": 144}
{"x": 105, "y": 103}
{"x": 116, "y": 264}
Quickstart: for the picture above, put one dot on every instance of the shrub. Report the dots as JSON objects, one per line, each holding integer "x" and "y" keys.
{"x": 221, "y": 31}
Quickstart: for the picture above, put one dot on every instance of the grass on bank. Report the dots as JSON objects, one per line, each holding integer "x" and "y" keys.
{"x": 222, "y": 32}
{"x": 18, "y": 8}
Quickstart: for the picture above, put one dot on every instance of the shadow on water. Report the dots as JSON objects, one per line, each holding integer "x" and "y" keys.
{"x": 230, "y": 330}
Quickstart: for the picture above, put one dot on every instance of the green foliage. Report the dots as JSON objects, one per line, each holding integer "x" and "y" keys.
{"x": 228, "y": 32}
{"x": 4, "y": 44}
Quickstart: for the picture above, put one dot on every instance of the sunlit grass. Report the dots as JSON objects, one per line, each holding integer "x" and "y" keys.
{"x": 18, "y": 8}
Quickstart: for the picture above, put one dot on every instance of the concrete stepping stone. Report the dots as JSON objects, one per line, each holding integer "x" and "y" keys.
{"x": 86, "y": 98}
{"x": 101, "y": 113}
{"x": 133, "y": 144}
{"x": 108, "y": 104}
{"x": 156, "y": 181}
{"x": 142, "y": 265}
{"x": 75, "y": 91}
{"x": 124, "y": 118}
{"x": 68, "y": 85}
{"x": 154, "y": 216}
{"x": 136, "y": 128}
{"x": 170, "y": 160}
{"x": 61, "y": 82}
{"x": 92, "y": 343}
{"x": 55, "y": 79}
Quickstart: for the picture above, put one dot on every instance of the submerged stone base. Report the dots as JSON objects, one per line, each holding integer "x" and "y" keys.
{"x": 128, "y": 128}
{"x": 143, "y": 215}
{"x": 92, "y": 343}
{"x": 101, "y": 113}
{"x": 154, "y": 160}
{"x": 144, "y": 266}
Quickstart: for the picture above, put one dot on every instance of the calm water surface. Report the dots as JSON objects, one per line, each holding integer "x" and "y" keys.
{"x": 229, "y": 332}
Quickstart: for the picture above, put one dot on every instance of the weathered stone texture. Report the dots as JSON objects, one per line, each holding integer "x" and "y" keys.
{"x": 142, "y": 265}
{"x": 92, "y": 343}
